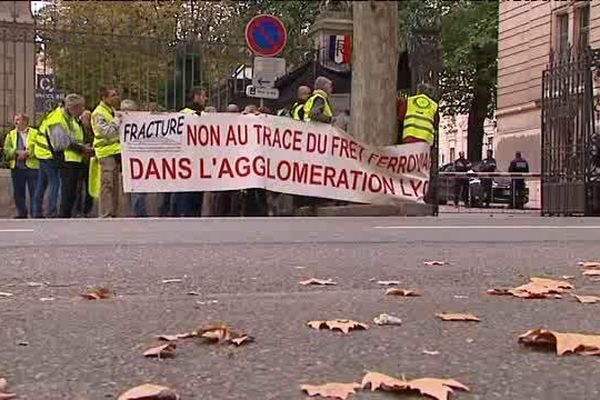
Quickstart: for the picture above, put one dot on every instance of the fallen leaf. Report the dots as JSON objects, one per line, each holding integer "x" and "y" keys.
{"x": 437, "y": 388}
{"x": 35, "y": 284}
{"x": 331, "y": 390}
{"x": 401, "y": 292}
{"x": 164, "y": 351}
{"x": 314, "y": 281}
{"x": 469, "y": 340}
{"x": 592, "y": 272}
{"x": 192, "y": 293}
{"x": 175, "y": 280}
{"x": 431, "y": 353}
{"x": 149, "y": 391}
{"x": 6, "y": 294}
{"x": 537, "y": 288}
{"x": 587, "y": 299}
{"x": 344, "y": 325}
{"x": 376, "y": 380}
{"x": 589, "y": 264}
{"x": 23, "y": 343}
{"x": 45, "y": 299}
{"x": 173, "y": 338}
{"x": 386, "y": 319}
{"x": 223, "y": 334}
{"x": 434, "y": 263}
{"x": 567, "y": 277}
{"x": 388, "y": 283}
{"x": 3, "y": 387}
{"x": 563, "y": 342}
{"x": 457, "y": 317}
{"x": 97, "y": 294}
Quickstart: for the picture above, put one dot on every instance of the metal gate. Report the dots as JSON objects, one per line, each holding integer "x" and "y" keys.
{"x": 570, "y": 168}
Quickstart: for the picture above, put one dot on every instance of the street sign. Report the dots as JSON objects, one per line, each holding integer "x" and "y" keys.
{"x": 266, "y": 71}
{"x": 266, "y": 35}
{"x": 262, "y": 93}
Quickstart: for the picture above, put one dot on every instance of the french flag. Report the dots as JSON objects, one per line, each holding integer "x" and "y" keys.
{"x": 340, "y": 49}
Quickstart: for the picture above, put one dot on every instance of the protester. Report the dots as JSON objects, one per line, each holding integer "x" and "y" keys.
{"x": 138, "y": 200}
{"x": 48, "y": 181}
{"x": 418, "y": 116}
{"x": 297, "y": 110}
{"x": 250, "y": 109}
{"x": 233, "y": 108}
{"x": 108, "y": 151}
{"x": 189, "y": 204}
{"x": 519, "y": 164}
{"x": 210, "y": 109}
{"x": 84, "y": 202}
{"x": 488, "y": 165}
{"x": 318, "y": 106}
{"x": 461, "y": 185}
{"x": 19, "y": 151}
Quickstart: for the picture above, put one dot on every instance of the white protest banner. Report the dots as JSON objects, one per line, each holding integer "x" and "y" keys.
{"x": 175, "y": 152}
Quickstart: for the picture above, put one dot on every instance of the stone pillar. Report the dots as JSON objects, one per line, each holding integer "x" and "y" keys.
{"x": 374, "y": 72}
{"x": 17, "y": 61}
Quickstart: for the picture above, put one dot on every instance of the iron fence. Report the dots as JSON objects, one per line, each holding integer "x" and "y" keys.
{"x": 570, "y": 164}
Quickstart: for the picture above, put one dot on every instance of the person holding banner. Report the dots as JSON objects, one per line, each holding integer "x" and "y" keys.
{"x": 419, "y": 116}
{"x": 318, "y": 106}
{"x": 108, "y": 152}
{"x": 297, "y": 111}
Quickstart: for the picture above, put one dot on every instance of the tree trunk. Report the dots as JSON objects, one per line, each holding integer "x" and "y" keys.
{"x": 374, "y": 71}
{"x": 477, "y": 115}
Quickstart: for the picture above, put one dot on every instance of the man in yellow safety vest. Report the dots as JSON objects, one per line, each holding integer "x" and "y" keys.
{"x": 420, "y": 117}
{"x": 318, "y": 106}
{"x": 297, "y": 111}
{"x": 18, "y": 150}
{"x": 108, "y": 152}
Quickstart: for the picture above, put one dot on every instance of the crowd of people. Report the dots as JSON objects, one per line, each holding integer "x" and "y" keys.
{"x": 73, "y": 159}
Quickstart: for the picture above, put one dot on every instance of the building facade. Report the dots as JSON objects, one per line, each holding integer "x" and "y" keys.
{"x": 529, "y": 31}
{"x": 453, "y": 137}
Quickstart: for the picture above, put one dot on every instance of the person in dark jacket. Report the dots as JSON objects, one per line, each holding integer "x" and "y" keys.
{"x": 488, "y": 165}
{"x": 519, "y": 164}
{"x": 461, "y": 185}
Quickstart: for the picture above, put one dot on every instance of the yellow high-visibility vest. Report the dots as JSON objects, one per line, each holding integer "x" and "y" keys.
{"x": 308, "y": 106}
{"x": 104, "y": 147}
{"x": 298, "y": 111}
{"x": 68, "y": 123}
{"x": 420, "y": 118}
{"x": 10, "y": 148}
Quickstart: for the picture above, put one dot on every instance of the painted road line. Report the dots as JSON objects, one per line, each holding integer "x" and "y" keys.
{"x": 16, "y": 230}
{"x": 488, "y": 227}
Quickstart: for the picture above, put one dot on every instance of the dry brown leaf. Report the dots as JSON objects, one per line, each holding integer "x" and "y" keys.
{"x": 173, "y": 338}
{"x": 315, "y": 281}
{"x": 388, "y": 283}
{"x": 332, "y": 390}
{"x": 97, "y": 294}
{"x": 563, "y": 342}
{"x": 434, "y": 263}
{"x": 431, "y": 352}
{"x": 589, "y": 264}
{"x": 6, "y": 294}
{"x": 3, "y": 394}
{"x": 457, "y": 317}
{"x": 223, "y": 334}
{"x": 537, "y": 288}
{"x": 164, "y": 351}
{"x": 377, "y": 380}
{"x": 344, "y": 325}
{"x": 592, "y": 272}
{"x": 437, "y": 388}
{"x": 149, "y": 391}
{"x": 401, "y": 292}
{"x": 587, "y": 299}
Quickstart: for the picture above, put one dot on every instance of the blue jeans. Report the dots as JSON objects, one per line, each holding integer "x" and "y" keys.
{"x": 23, "y": 181}
{"x": 138, "y": 203}
{"x": 48, "y": 176}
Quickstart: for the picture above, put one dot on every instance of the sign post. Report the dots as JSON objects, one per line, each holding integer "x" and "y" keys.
{"x": 266, "y": 36}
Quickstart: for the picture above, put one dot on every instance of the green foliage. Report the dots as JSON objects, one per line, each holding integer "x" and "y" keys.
{"x": 470, "y": 48}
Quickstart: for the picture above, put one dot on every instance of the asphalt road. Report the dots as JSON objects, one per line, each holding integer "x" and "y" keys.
{"x": 247, "y": 272}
